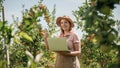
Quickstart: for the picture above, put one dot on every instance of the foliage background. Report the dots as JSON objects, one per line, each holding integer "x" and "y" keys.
{"x": 100, "y": 42}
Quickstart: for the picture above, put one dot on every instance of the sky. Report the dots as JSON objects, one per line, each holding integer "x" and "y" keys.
{"x": 63, "y": 7}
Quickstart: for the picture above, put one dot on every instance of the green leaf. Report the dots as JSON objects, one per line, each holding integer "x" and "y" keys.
{"x": 111, "y": 37}
{"x": 1, "y": 24}
{"x": 26, "y": 36}
{"x": 105, "y": 10}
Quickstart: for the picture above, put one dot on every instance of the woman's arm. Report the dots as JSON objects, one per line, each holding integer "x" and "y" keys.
{"x": 77, "y": 50}
{"x": 45, "y": 36}
{"x": 46, "y": 43}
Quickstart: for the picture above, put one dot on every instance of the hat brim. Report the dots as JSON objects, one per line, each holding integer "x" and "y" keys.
{"x": 68, "y": 19}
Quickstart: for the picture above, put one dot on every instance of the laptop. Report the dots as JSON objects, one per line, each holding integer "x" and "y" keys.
{"x": 57, "y": 44}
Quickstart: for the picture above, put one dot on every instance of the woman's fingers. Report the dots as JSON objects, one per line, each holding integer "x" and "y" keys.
{"x": 44, "y": 33}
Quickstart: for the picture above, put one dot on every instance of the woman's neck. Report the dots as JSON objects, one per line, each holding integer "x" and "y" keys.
{"x": 66, "y": 32}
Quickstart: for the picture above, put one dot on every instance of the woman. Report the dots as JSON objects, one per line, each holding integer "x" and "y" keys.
{"x": 67, "y": 59}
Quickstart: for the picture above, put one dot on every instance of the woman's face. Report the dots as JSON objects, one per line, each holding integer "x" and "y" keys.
{"x": 65, "y": 25}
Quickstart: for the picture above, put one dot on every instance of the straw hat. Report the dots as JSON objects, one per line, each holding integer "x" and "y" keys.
{"x": 66, "y": 18}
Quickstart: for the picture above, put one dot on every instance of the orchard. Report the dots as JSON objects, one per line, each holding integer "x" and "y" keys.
{"x": 22, "y": 46}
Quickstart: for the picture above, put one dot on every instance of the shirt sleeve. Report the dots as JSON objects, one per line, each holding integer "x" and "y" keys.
{"x": 76, "y": 38}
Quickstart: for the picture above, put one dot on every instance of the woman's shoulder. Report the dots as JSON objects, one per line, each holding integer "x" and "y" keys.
{"x": 74, "y": 34}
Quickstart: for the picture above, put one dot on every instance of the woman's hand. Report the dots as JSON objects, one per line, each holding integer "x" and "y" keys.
{"x": 45, "y": 34}
{"x": 68, "y": 53}
{"x": 63, "y": 52}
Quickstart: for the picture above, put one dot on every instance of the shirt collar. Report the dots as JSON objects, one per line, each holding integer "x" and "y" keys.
{"x": 67, "y": 34}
